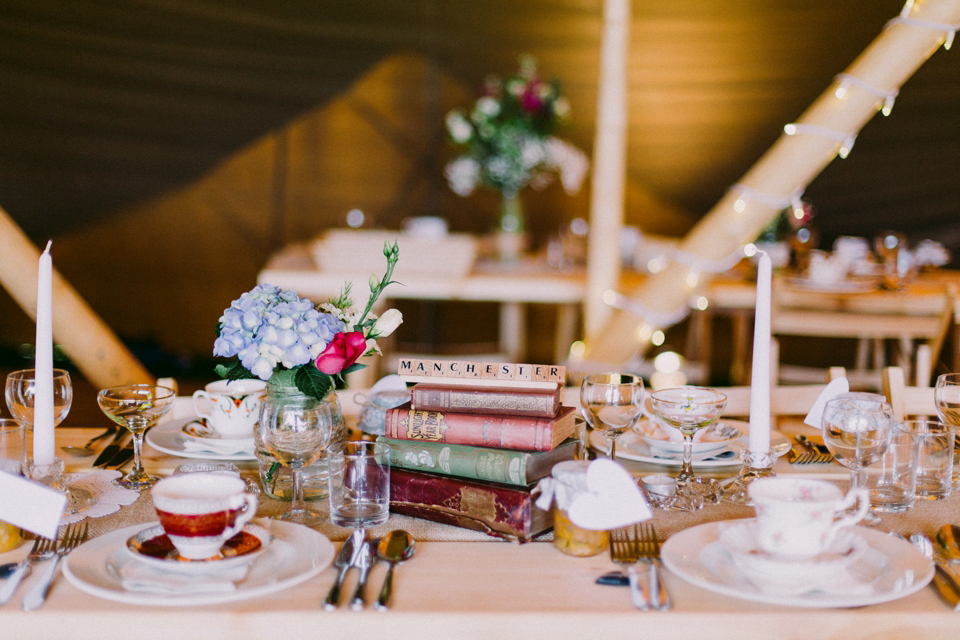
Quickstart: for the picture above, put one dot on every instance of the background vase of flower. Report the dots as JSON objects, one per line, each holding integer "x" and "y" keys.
{"x": 506, "y": 143}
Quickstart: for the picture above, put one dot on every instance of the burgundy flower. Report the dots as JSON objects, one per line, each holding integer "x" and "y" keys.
{"x": 342, "y": 352}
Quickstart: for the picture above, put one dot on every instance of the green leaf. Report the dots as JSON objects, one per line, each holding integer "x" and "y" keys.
{"x": 313, "y": 382}
{"x": 233, "y": 371}
{"x": 356, "y": 366}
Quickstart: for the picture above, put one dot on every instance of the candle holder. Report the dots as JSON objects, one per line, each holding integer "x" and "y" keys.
{"x": 51, "y": 475}
{"x": 755, "y": 465}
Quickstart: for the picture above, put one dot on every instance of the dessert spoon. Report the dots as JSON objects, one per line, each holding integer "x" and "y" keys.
{"x": 87, "y": 449}
{"x": 394, "y": 548}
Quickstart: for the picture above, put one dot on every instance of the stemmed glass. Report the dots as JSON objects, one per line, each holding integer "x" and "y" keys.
{"x": 612, "y": 403}
{"x": 946, "y": 395}
{"x": 297, "y": 434}
{"x": 688, "y": 409}
{"x": 137, "y": 407}
{"x": 20, "y": 394}
{"x": 857, "y": 430}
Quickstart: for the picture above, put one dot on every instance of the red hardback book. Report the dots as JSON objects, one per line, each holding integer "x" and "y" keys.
{"x": 516, "y": 401}
{"x": 500, "y": 432}
{"x": 495, "y": 509}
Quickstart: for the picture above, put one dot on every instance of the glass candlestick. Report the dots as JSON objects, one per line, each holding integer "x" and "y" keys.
{"x": 755, "y": 465}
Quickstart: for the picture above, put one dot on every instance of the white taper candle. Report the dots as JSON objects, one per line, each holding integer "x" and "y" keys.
{"x": 43, "y": 422}
{"x": 759, "y": 439}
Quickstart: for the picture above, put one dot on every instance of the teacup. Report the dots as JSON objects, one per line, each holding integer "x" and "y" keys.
{"x": 796, "y": 518}
{"x": 234, "y": 406}
{"x": 201, "y": 511}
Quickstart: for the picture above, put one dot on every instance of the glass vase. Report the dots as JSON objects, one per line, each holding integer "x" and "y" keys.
{"x": 511, "y": 229}
{"x": 276, "y": 480}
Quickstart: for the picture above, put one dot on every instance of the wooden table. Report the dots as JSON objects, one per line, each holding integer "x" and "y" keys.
{"x": 485, "y": 589}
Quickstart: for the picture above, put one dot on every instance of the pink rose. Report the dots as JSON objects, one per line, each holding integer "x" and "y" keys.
{"x": 342, "y": 352}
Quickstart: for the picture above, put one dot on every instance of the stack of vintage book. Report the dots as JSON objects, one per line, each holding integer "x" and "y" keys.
{"x": 474, "y": 440}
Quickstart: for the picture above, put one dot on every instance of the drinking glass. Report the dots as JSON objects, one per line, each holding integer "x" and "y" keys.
{"x": 296, "y": 434}
{"x": 857, "y": 431}
{"x": 137, "y": 407}
{"x": 612, "y": 403}
{"x": 20, "y": 391}
{"x": 688, "y": 409}
{"x": 359, "y": 483}
{"x": 947, "y": 398}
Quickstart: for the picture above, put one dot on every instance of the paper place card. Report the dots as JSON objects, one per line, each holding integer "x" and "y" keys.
{"x": 832, "y": 390}
{"x": 30, "y": 505}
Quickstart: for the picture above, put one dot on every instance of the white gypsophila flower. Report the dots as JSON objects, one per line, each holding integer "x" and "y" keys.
{"x": 571, "y": 163}
{"x": 460, "y": 130}
{"x": 463, "y": 175}
{"x": 532, "y": 153}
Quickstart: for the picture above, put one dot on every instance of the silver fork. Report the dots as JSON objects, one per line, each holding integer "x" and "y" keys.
{"x": 805, "y": 456}
{"x": 71, "y": 539}
{"x": 625, "y": 552}
{"x": 41, "y": 550}
{"x": 649, "y": 549}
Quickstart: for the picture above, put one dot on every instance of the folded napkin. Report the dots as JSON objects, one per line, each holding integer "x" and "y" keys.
{"x": 136, "y": 576}
{"x": 831, "y": 391}
{"x": 238, "y": 446}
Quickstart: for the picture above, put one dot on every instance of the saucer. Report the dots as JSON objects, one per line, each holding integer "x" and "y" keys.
{"x": 199, "y": 429}
{"x": 718, "y": 436}
{"x": 170, "y": 438}
{"x": 152, "y": 547}
{"x": 774, "y": 573}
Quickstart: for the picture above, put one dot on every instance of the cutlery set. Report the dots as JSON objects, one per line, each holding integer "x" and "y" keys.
{"x": 118, "y": 452}
{"x": 360, "y": 553}
{"x": 628, "y": 547}
{"x": 44, "y": 549}
{"x": 810, "y": 452}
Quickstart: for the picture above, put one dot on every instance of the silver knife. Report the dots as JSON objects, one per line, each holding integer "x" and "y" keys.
{"x": 345, "y": 560}
{"x": 365, "y": 561}
{"x": 111, "y": 449}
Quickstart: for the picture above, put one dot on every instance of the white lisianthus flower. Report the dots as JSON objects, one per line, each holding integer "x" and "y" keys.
{"x": 488, "y": 106}
{"x": 387, "y": 323}
{"x": 463, "y": 175}
{"x": 460, "y": 130}
{"x": 571, "y": 163}
{"x": 532, "y": 153}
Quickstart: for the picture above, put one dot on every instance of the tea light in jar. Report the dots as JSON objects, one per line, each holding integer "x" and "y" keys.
{"x": 660, "y": 485}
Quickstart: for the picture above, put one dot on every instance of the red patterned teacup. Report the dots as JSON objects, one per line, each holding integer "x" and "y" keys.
{"x": 201, "y": 511}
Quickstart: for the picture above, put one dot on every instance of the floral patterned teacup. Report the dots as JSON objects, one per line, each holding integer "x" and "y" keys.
{"x": 797, "y": 518}
{"x": 230, "y": 407}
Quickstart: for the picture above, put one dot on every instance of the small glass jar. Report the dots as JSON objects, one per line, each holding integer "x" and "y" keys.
{"x": 570, "y": 480}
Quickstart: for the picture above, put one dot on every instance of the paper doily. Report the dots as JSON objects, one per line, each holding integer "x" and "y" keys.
{"x": 95, "y": 495}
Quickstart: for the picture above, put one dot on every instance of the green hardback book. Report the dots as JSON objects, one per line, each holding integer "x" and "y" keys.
{"x": 519, "y": 468}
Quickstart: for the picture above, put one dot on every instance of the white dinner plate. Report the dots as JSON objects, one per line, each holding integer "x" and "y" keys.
{"x": 631, "y": 446}
{"x": 295, "y": 555}
{"x": 696, "y": 555}
{"x": 856, "y": 284}
{"x": 169, "y": 438}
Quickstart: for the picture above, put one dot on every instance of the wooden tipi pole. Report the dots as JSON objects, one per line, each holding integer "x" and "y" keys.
{"x": 90, "y": 343}
{"x": 824, "y": 129}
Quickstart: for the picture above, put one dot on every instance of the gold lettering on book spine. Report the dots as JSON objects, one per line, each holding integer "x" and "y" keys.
{"x": 475, "y": 503}
{"x": 514, "y": 402}
{"x": 425, "y": 425}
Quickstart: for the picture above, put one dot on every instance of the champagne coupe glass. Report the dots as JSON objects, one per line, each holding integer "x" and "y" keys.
{"x": 857, "y": 430}
{"x": 688, "y": 409}
{"x": 137, "y": 407}
{"x": 20, "y": 392}
{"x": 612, "y": 403}
{"x": 297, "y": 434}
{"x": 947, "y": 398}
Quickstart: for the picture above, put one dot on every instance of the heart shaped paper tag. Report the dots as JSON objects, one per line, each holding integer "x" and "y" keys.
{"x": 831, "y": 391}
{"x": 612, "y": 499}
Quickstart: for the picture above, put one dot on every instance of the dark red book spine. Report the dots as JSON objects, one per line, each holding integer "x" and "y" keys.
{"x": 537, "y": 403}
{"x": 497, "y": 510}
{"x": 501, "y": 432}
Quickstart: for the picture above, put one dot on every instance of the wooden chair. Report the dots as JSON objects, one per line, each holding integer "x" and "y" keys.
{"x": 916, "y": 331}
{"x": 907, "y": 401}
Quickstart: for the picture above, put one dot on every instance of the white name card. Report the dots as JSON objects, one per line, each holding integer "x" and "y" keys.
{"x": 30, "y": 505}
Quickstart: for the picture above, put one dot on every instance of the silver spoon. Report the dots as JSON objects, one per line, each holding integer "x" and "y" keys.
{"x": 87, "y": 449}
{"x": 394, "y": 548}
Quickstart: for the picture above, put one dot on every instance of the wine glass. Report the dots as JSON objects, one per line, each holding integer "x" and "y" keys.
{"x": 688, "y": 409}
{"x": 857, "y": 430}
{"x": 136, "y": 407}
{"x": 946, "y": 395}
{"x": 20, "y": 394}
{"x": 612, "y": 403}
{"x": 297, "y": 433}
